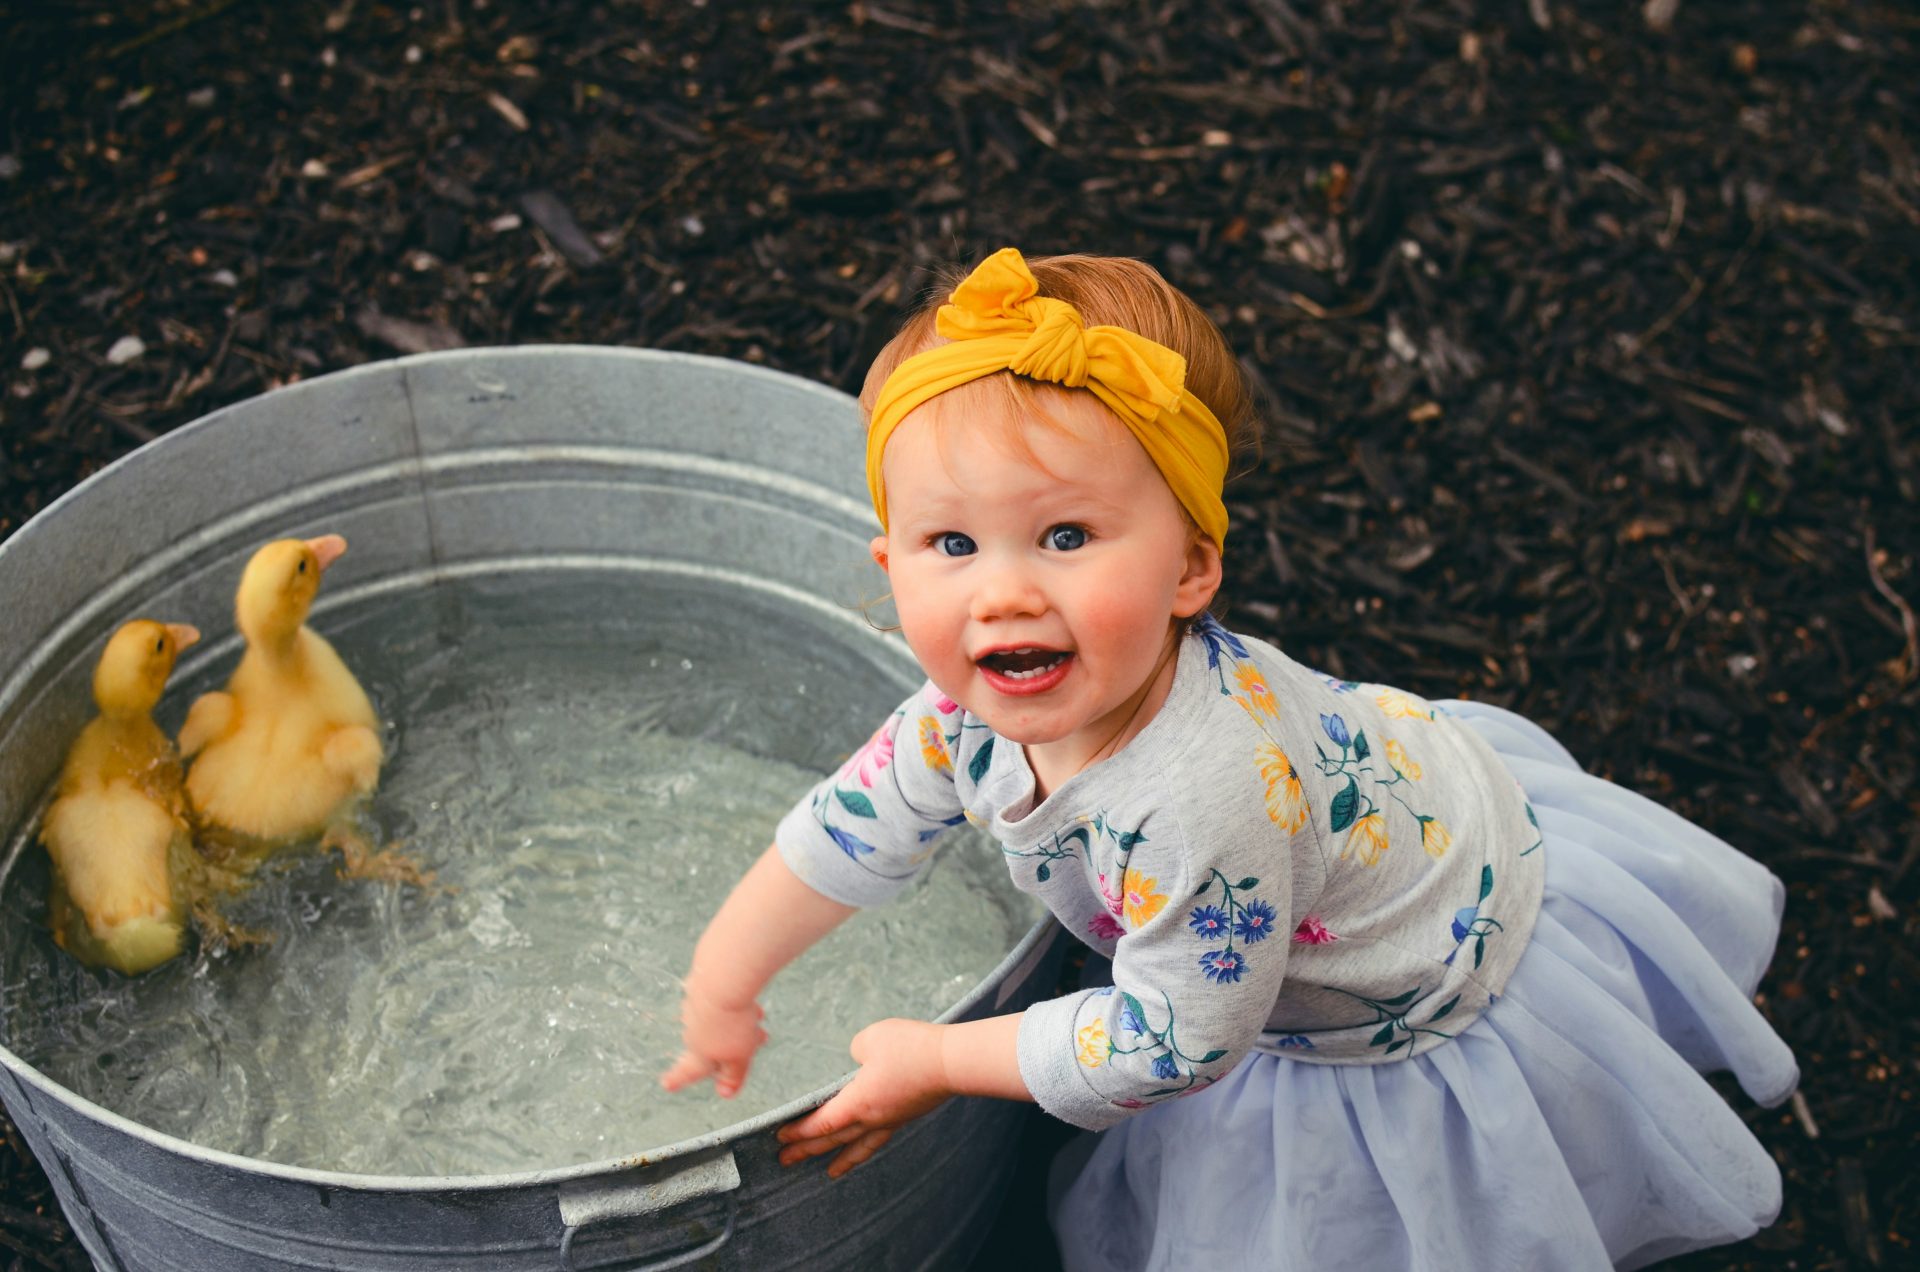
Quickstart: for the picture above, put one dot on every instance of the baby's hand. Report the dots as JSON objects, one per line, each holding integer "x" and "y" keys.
{"x": 719, "y": 1041}
{"x": 901, "y": 1077}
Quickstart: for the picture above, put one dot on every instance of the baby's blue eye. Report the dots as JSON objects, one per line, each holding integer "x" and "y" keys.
{"x": 1067, "y": 538}
{"x": 952, "y": 543}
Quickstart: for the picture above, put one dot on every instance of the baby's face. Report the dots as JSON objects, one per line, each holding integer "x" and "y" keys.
{"x": 1039, "y": 597}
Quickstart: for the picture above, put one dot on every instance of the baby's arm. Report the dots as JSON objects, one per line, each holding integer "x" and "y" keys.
{"x": 859, "y": 838}
{"x": 907, "y": 1068}
{"x": 768, "y": 920}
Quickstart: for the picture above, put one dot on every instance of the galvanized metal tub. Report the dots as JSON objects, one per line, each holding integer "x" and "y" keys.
{"x": 449, "y": 465}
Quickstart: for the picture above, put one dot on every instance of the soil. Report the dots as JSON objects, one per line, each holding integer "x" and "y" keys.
{"x": 1587, "y": 350}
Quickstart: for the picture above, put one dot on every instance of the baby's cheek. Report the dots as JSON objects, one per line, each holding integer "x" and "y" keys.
{"x": 1132, "y": 624}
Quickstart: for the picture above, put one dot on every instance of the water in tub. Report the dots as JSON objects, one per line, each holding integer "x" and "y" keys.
{"x": 587, "y": 766}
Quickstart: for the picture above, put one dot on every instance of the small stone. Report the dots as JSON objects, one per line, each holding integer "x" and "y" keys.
{"x": 223, "y": 278}
{"x": 505, "y": 222}
{"x": 413, "y": 54}
{"x": 693, "y": 225}
{"x": 202, "y": 98}
{"x": 125, "y": 350}
{"x": 9, "y": 167}
{"x": 313, "y": 168}
{"x": 35, "y": 359}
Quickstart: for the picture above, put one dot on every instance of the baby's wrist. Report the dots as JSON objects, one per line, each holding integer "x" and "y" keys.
{"x": 718, "y": 991}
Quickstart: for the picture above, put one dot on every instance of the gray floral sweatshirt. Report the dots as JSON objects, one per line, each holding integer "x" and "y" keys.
{"x": 1329, "y": 871}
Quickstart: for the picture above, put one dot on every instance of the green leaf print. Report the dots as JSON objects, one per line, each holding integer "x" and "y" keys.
{"x": 1386, "y": 1032}
{"x": 1486, "y": 881}
{"x": 981, "y": 758}
{"x": 1400, "y": 999}
{"x": 854, "y": 802}
{"x": 1360, "y": 749}
{"x": 1479, "y": 949}
{"x": 1211, "y": 1056}
{"x": 1345, "y": 805}
{"x": 1445, "y": 1007}
{"x": 1247, "y": 883}
{"x": 1404, "y": 1042}
{"x": 1044, "y": 873}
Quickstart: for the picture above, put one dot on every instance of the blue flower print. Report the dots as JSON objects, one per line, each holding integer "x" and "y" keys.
{"x": 852, "y": 845}
{"x": 1337, "y": 730}
{"x": 1300, "y": 1041}
{"x": 1255, "y": 922}
{"x": 1223, "y": 967}
{"x": 1130, "y": 1019}
{"x": 1164, "y": 1068}
{"x": 1218, "y": 639}
{"x": 1463, "y": 920}
{"x": 1210, "y": 922}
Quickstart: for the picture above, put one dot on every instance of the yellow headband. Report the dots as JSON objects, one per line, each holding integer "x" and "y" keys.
{"x": 998, "y": 321}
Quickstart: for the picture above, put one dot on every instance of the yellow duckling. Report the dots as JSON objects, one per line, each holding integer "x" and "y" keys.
{"x": 292, "y": 745}
{"x": 117, "y": 828}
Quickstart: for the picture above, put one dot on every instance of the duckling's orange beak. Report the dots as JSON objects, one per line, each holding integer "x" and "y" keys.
{"x": 183, "y": 636}
{"x": 328, "y": 548}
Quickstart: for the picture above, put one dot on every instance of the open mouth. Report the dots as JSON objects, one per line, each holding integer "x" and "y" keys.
{"x": 1026, "y": 668}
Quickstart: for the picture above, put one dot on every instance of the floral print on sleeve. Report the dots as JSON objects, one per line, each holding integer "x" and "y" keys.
{"x": 884, "y": 808}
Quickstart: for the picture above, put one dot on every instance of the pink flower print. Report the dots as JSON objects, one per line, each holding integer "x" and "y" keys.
{"x": 939, "y": 701}
{"x": 1116, "y": 900}
{"x": 1104, "y": 927}
{"x": 873, "y": 758}
{"x": 1130, "y": 1104}
{"x": 1313, "y": 932}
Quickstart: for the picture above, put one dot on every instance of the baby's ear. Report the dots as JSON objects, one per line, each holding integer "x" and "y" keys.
{"x": 1201, "y": 578}
{"x": 879, "y": 549}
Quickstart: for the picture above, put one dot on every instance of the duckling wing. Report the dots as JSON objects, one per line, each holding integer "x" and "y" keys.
{"x": 354, "y": 752}
{"x": 210, "y": 716}
{"x": 110, "y": 845}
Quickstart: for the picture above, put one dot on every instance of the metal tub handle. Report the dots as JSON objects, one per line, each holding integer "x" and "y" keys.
{"x": 587, "y": 1202}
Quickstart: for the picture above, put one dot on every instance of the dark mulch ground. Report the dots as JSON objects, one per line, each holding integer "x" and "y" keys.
{"x": 1590, "y": 351}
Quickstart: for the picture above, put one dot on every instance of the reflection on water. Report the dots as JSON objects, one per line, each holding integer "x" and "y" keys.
{"x": 588, "y": 766}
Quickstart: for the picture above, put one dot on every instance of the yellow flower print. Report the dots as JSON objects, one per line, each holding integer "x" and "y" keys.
{"x": 1142, "y": 902}
{"x": 1259, "y": 699}
{"x": 1368, "y": 838}
{"x": 1435, "y": 838}
{"x": 1093, "y": 1044}
{"x": 1286, "y": 802}
{"x": 1397, "y": 756}
{"x": 933, "y": 747}
{"x": 1402, "y": 706}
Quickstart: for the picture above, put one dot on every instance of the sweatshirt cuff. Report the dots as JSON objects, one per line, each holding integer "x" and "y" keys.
{"x": 1050, "y": 1066}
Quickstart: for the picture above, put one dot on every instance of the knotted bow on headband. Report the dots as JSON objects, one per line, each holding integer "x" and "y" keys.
{"x": 998, "y": 321}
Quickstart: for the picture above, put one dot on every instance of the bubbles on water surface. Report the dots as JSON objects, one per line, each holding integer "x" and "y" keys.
{"x": 587, "y": 768}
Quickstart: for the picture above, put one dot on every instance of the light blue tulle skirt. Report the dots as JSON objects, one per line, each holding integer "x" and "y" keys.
{"x": 1569, "y": 1128}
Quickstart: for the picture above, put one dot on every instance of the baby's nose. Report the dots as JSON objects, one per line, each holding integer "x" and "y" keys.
{"x": 1007, "y": 591}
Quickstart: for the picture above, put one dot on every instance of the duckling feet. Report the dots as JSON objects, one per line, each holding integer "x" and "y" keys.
{"x": 363, "y": 861}
{"x": 221, "y": 934}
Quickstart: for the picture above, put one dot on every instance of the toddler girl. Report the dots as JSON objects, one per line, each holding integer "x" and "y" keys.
{"x": 1438, "y": 997}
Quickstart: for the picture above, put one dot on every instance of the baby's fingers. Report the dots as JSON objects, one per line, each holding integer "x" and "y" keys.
{"x": 797, "y": 1151}
{"x": 687, "y": 1070}
{"x": 858, "y": 1151}
{"x": 731, "y": 1076}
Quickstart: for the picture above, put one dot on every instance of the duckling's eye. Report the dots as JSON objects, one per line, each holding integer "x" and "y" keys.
{"x": 952, "y": 543}
{"x": 160, "y": 646}
{"x": 303, "y": 567}
{"x": 1066, "y": 538}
